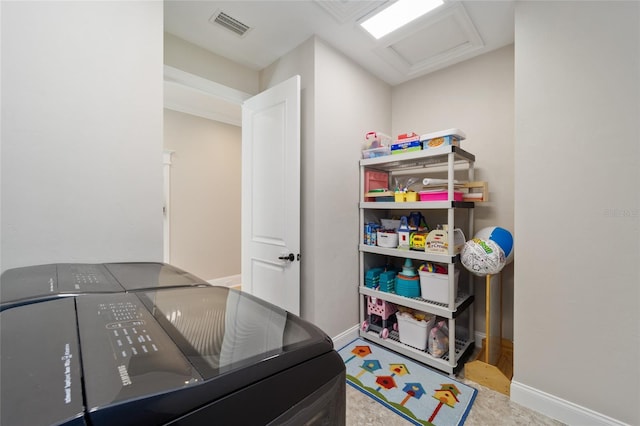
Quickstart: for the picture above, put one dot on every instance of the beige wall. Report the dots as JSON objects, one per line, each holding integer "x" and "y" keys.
{"x": 188, "y": 57}
{"x": 476, "y": 96}
{"x": 332, "y": 132}
{"x": 205, "y": 194}
{"x": 301, "y": 61}
{"x": 349, "y": 103}
{"x": 81, "y": 132}
{"x": 577, "y": 274}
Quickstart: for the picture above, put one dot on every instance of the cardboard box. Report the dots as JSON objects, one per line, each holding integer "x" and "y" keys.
{"x": 409, "y": 145}
{"x": 438, "y": 241}
{"x": 442, "y": 138}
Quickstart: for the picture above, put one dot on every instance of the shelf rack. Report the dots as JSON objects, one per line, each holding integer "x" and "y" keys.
{"x": 421, "y": 162}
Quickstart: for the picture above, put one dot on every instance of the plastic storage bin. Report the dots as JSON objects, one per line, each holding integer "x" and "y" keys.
{"x": 414, "y": 332}
{"x": 388, "y": 239}
{"x": 375, "y": 180}
{"x": 439, "y": 196}
{"x": 435, "y": 287}
{"x": 376, "y": 152}
{"x": 376, "y": 144}
{"x": 387, "y": 281}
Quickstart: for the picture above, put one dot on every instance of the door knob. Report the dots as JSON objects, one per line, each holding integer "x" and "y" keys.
{"x": 290, "y": 257}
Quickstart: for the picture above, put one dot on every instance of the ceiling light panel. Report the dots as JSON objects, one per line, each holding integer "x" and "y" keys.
{"x": 397, "y": 15}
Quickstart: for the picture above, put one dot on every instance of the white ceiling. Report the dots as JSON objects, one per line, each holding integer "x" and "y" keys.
{"x": 456, "y": 31}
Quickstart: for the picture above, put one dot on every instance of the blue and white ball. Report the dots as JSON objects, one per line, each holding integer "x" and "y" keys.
{"x": 482, "y": 257}
{"x": 500, "y": 236}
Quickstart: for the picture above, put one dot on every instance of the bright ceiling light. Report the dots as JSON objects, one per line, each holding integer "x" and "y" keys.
{"x": 398, "y": 14}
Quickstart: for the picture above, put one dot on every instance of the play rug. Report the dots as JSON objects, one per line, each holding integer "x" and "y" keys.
{"x": 406, "y": 387}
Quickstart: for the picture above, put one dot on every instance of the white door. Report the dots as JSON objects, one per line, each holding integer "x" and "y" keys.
{"x": 271, "y": 195}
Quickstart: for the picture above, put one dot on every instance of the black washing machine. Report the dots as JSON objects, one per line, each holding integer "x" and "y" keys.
{"x": 178, "y": 356}
{"x": 31, "y": 284}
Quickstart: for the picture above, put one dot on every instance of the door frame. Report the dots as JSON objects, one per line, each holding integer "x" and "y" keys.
{"x": 195, "y": 95}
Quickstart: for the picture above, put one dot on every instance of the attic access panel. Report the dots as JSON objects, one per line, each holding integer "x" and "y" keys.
{"x": 445, "y": 37}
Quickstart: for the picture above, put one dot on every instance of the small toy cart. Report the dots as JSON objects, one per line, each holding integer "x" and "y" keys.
{"x": 380, "y": 316}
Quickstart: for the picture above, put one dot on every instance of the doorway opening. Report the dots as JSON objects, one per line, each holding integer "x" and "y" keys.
{"x": 202, "y": 173}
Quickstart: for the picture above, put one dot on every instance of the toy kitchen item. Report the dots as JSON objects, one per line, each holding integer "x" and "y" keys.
{"x": 438, "y": 241}
{"x": 418, "y": 240}
{"x": 442, "y": 138}
{"x": 381, "y": 316}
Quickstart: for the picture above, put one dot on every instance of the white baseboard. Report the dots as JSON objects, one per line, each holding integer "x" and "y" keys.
{"x": 557, "y": 408}
{"x": 346, "y": 337}
{"x": 230, "y": 281}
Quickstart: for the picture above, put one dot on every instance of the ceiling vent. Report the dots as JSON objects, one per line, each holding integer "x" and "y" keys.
{"x": 229, "y": 23}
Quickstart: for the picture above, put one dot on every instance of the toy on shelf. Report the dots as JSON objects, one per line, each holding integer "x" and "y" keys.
{"x": 439, "y": 339}
{"x": 408, "y": 281}
{"x": 404, "y": 234}
{"x": 380, "y": 316}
